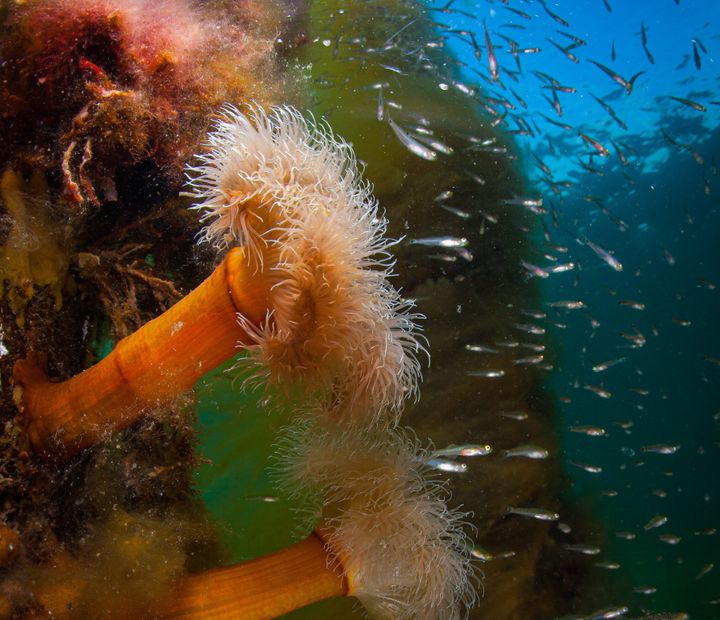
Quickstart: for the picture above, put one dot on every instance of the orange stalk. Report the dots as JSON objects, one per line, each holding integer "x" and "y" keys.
{"x": 267, "y": 587}
{"x": 264, "y": 588}
{"x": 163, "y": 358}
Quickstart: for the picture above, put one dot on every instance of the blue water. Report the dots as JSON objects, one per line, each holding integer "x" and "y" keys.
{"x": 661, "y": 220}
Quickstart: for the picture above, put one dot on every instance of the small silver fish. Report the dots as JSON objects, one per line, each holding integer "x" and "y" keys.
{"x": 584, "y": 549}
{"x": 441, "y": 242}
{"x": 515, "y": 415}
{"x": 457, "y": 212}
{"x": 521, "y": 201}
{"x": 591, "y": 431}
{"x": 538, "y": 348}
{"x": 603, "y": 366}
{"x": 493, "y": 219}
{"x": 447, "y": 465}
{"x": 492, "y": 61}
{"x": 631, "y": 303}
{"x": 534, "y": 513}
{"x": 563, "y": 249}
{"x": 467, "y": 449}
{"x": 481, "y": 554}
{"x": 608, "y": 565}
{"x": 567, "y": 304}
{"x": 661, "y": 448}
{"x": 479, "y": 348}
{"x": 423, "y": 131}
{"x": 592, "y": 469}
{"x": 708, "y": 531}
{"x": 530, "y": 328}
{"x": 439, "y": 146}
{"x": 535, "y": 270}
{"x": 604, "y": 255}
{"x": 637, "y": 339}
{"x": 412, "y": 145}
{"x": 393, "y": 69}
{"x": 608, "y": 612}
{"x": 601, "y": 392}
{"x": 705, "y": 570}
{"x": 670, "y": 539}
{"x": 487, "y": 374}
{"x": 533, "y": 314}
{"x": 476, "y": 178}
{"x": 560, "y": 268}
{"x": 464, "y": 88}
{"x": 532, "y": 360}
{"x": 656, "y": 521}
{"x": 528, "y": 451}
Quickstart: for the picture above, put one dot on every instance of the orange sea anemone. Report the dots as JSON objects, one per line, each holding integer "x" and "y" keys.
{"x": 289, "y": 191}
{"x": 404, "y": 553}
{"x": 307, "y": 293}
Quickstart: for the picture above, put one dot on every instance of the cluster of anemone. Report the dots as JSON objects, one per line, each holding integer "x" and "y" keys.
{"x": 303, "y": 287}
{"x": 289, "y": 191}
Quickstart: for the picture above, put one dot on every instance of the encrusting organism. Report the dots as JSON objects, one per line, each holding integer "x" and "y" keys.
{"x": 306, "y": 292}
{"x": 102, "y": 105}
{"x": 104, "y": 86}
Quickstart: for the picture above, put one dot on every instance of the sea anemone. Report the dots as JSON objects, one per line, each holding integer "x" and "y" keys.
{"x": 289, "y": 191}
{"x": 306, "y": 292}
{"x": 384, "y": 517}
{"x": 385, "y": 535}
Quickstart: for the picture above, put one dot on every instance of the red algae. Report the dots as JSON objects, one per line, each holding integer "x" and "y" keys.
{"x": 101, "y": 85}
